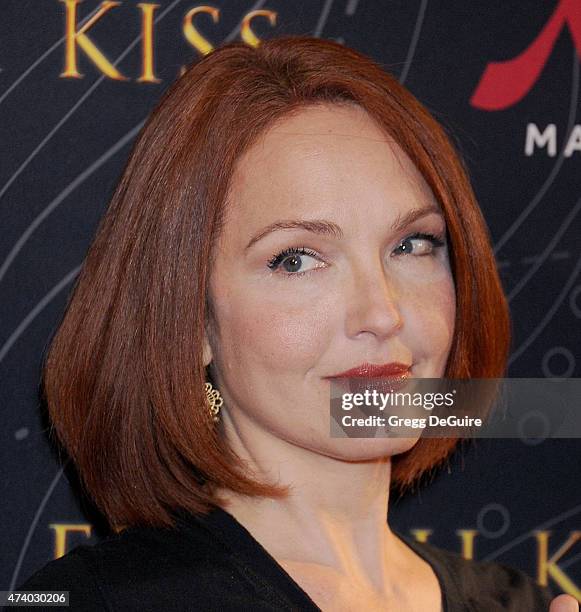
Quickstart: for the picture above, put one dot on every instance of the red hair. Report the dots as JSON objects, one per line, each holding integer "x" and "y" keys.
{"x": 124, "y": 376}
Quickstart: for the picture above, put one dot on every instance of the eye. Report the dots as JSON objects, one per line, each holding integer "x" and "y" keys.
{"x": 426, "y": 245}
{"x": 291, "y": 261}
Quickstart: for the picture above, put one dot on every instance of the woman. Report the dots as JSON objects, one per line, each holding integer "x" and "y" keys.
{"x": 288, "y": 213}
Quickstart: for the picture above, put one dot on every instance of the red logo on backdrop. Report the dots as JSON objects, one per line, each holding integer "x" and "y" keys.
{"x": 505, "y": 83}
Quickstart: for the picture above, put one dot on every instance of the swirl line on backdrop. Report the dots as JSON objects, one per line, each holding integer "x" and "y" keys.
{"x": 528, "y": 209}
{"x": 39, "y": 218}
{"x": 521, "y": 538}
{"x": 549, "y": 314}
{"x": 414, "y": 41}
{"x": 77, "y": 105}
{"x": 323, "y": 17}
{"x": 38, "y": 308}
{"x": 40, "y": 59}
{"x": 540, "y": 260}
{"x": 34, "y": 523}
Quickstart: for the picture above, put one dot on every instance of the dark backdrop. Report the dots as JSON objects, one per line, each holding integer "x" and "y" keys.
{"x": 64, "y": 142}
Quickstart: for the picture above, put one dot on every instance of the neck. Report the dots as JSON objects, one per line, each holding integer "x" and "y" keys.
{"x": 335, "y": 516}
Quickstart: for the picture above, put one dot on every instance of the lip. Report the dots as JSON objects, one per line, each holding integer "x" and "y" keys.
{"x": 394, "y": 370}
{"x": 384, "y": 378}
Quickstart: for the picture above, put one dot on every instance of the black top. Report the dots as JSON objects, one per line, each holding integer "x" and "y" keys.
{"x": 213, "y": 563}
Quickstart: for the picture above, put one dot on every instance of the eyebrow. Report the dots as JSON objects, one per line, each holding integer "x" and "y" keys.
{"x": 328, "y": 228}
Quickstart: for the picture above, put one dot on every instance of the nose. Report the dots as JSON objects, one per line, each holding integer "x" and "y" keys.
{"x": 374, "y": 305}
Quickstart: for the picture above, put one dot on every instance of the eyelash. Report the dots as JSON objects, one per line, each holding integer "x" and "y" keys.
{"x": 278, "y": 258}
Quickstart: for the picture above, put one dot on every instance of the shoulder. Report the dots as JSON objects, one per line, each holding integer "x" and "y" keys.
{"x": 75, "y": 573}
{"x": 487, "y": 585}
{"x": 135, "y": 570}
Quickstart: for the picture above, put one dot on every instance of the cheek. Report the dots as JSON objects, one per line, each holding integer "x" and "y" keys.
{"x": 430, "y": 309}
{"x": 278, "y": 332}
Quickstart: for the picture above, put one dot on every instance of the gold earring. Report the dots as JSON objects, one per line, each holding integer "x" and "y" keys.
{"x": 214, "y": 399}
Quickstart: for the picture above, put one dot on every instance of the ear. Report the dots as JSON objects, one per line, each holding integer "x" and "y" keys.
{"x": 207, "y": 351}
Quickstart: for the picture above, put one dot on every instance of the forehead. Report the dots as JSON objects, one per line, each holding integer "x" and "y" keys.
{"x": 325, "y": 156}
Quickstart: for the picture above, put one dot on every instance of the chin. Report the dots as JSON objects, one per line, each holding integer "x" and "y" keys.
{"x": 366, "y": 449}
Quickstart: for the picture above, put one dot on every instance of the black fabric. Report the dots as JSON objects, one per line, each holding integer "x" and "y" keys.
{"x": 213, "y": 563}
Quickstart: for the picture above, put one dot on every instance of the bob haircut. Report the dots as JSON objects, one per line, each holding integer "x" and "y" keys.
{"x": 124, "y": 374}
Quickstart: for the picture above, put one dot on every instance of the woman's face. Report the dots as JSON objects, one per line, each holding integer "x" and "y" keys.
{"x": 372, "y": 294}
